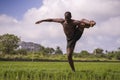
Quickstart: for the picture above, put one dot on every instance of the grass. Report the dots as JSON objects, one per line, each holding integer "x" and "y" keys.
{"x": 59, "y": 71}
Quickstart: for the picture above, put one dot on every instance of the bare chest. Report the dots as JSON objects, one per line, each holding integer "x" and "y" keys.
{"x": 69, "y": 29}
{"x": 69, "y": 26}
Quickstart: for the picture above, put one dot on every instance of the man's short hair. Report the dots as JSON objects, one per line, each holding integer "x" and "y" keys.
{"x": 68, "y": 13}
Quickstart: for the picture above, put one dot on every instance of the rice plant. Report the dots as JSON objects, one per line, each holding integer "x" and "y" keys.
{"x": 59, "y": 71}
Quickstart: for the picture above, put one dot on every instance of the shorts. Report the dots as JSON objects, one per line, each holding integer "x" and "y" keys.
{"x": 72, "y": 41}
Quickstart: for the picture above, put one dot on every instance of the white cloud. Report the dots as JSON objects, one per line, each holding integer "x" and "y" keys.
{"x": 105, "y": 12}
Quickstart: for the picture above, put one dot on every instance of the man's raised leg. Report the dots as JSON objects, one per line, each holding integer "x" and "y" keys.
{"x": 70, "y": 60}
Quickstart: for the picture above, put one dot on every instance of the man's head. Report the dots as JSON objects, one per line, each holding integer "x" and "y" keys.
{"x": 67, "y": 15}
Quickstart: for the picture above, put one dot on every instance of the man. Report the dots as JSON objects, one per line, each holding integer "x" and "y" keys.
{"x": 73, "y": 30}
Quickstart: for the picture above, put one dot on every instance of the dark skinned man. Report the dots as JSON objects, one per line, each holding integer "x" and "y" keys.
{"x": 73, "y": 30}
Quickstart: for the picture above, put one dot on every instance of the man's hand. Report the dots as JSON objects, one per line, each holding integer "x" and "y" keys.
{"x": 38, "y": 22}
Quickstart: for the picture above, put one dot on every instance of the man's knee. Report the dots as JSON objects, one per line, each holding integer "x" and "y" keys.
{"x": 69, "y": 55}
{"x": 69, "y": 52}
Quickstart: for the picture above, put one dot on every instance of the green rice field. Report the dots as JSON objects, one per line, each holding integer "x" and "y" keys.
{"x": 59, "y": 71}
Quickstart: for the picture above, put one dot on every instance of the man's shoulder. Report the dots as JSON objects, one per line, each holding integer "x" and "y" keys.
{"x": 76, "y": 21}
{"x": 61, "y": 19}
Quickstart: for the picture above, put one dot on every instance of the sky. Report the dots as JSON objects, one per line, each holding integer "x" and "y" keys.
{"x": 17, "y": 8}
{"x": 18, "y": 17}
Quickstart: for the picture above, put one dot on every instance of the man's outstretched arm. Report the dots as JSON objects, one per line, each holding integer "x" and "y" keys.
{"x": 58, "y": 20}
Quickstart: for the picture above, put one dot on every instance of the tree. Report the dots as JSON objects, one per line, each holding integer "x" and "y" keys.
{"x": 8, "y": 43}
{"x": 98, "y": 51}
{"x": 58, "y": 50}
{"x": 49, "y": 50}
{"x": 22, "y": 51}
{"x": 84, "y": 53}
{"x": 117, "y": 55}
{"x": 46, "y": 51}
{"x": 110, "y": 55}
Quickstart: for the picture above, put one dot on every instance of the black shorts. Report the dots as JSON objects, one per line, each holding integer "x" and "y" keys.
{"x": 72, "y": 41}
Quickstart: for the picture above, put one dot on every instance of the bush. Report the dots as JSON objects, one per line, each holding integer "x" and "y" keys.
{"x": 84, "y": 53}
{"x": 110, "y": 55}
{"x": 117, "y": 55}
{"x": 21, "y": 51}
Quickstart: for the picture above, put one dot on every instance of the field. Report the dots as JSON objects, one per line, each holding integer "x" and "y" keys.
{"x": 59, "y": 71}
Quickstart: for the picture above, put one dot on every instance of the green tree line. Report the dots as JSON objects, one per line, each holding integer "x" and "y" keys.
{"x": 9, "y": 45}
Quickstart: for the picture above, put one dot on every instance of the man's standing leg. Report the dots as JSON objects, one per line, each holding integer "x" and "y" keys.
{"x": 71, "y": 45}
{"x": 70, "y": 60}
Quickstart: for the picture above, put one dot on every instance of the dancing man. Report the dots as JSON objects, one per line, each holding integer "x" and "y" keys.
{"x": 73, "y": 30}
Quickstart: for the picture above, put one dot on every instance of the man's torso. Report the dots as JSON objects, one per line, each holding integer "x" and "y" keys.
{"x": 69, "y": 28}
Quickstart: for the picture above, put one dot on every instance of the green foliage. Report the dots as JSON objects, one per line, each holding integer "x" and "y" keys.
{"x": 21, "y": 51}
{"x": 110, "y": 55}
{"x": 117, "y": 55}
{"x": 58, "y": 50}
{"x": 46, "y": 51}
{"x": 98, "y": 51}
{"x": 84, "y": 53}
{"x": 8, "y": 43}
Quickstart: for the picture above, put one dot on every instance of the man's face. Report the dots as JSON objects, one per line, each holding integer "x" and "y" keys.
{"x": 67, "y": 16}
